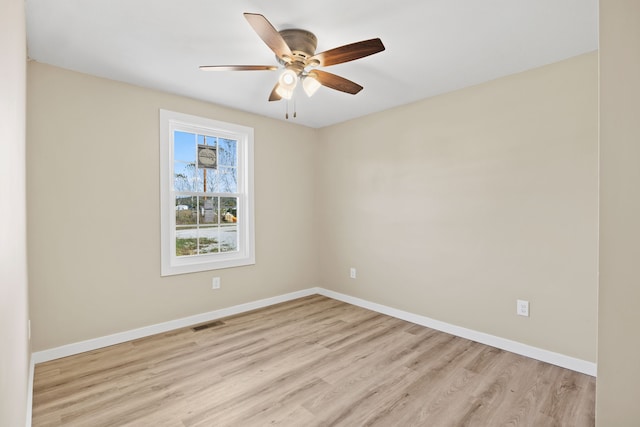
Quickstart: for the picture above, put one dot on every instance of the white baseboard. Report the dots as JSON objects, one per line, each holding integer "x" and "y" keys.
{"x": 120, "y": 337}
{"x": 557, "y": 359}
{"x": 547, "y": 356}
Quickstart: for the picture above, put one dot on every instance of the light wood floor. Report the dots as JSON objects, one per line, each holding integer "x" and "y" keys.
{"x": 309, "y": 362}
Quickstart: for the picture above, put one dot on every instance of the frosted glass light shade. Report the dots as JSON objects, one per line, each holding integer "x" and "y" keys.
{"x": 284, "y": 92}
{"x": 287, "y": 83}
{"x": 310, "y": 85}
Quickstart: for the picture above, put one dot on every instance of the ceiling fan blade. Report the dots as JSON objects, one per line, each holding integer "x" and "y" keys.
{"x": 237, "y": 67}
{"x": 269, "y": 35}
{"x": 349, "y": 52}
{"x": 274, "y": 95}
{"x": 336, "y": 82}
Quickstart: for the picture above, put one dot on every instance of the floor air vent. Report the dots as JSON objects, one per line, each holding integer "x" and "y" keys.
{"x": 208, "y": 325}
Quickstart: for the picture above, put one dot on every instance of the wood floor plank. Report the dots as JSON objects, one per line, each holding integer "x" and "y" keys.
{"x": 313, "y": 361}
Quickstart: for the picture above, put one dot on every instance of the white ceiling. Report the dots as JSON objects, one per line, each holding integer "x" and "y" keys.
{"x": 432, "y": 46}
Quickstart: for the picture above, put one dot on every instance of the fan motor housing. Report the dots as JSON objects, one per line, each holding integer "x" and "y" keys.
{"x": 302, "y": 43}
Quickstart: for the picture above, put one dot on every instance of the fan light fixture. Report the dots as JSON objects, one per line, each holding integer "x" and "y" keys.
{"x": 287, "y": 83}
{"x": 310, "y": 84}
{"x": 289, "y": 80}
{"x": 295, "y": 50}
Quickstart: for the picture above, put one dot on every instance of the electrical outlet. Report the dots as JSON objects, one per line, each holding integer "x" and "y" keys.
{"x": 215, "y": 283}
{"x": 352, "y": 273}
{"x": 522, "y": 308}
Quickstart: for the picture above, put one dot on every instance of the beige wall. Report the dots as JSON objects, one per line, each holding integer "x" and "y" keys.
{"x": 94, "y": 222}
{"x": 451, "y": 208}
{"x": 456, "y": 206}
{"x": 619, "y": 292}
{"x": 14, "y": 345}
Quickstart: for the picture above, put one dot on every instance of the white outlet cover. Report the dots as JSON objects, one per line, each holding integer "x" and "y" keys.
{"x": 522, "y": 308}
{"x": 352, "y": 273}
{"x": 215, "y": 283}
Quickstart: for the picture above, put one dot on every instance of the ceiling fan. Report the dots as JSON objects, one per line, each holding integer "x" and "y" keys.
{"x": 295, "y": 51}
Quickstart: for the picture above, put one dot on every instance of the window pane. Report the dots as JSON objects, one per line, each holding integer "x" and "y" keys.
{"x": 227, "y": 152}
{"x": 186, "y": 210}
{"x": 208, "y": 210}
{"x": 208, "y": 240}
{"x": 210, "y": 178}
{"x": 184, "y": 176}
{"x": 228, "y": 180}
{"x": 228, "y": 209}
{"x": 228, "y": 224}
{"x": 186, "y": 241}
{"x": 184, "y": 146}
{"x": 199, "y": 187}
{"x": 207, "y": 140}
{"x": 229, "y": 237}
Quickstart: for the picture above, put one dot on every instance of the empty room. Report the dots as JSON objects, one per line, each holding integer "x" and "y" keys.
{"x": 419, "y": 213}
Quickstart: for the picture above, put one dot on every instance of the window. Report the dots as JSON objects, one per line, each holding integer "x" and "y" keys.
{"x": 206, "y": 194}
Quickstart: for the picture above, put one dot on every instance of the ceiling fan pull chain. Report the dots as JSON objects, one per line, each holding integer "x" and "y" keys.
{"x": 294, "y": 108}
{"x": 286, "y": 114}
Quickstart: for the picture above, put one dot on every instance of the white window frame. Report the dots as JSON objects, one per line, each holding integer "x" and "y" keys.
{"x": 171, "y": 264}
